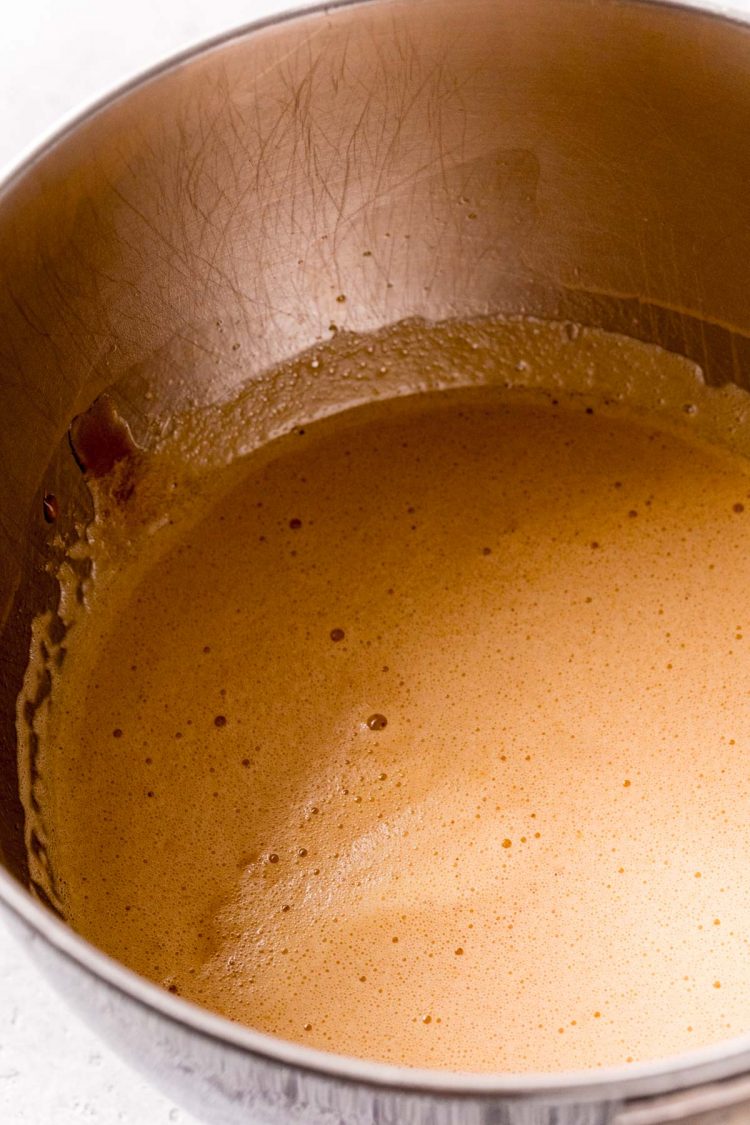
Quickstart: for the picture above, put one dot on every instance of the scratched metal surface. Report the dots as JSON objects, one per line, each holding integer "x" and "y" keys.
{"x": 571, "y": 159}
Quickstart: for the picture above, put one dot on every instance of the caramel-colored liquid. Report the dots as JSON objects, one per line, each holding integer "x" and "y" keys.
{"x": 429, "y": 742}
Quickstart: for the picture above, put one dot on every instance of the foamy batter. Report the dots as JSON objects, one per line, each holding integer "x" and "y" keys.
{"x": 429, "y": 742}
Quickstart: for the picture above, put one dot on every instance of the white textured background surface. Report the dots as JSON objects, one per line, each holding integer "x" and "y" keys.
{"x": 56, "y": 56}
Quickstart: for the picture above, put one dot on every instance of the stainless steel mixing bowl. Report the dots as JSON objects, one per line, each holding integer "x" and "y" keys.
{"x": 356, "y": 164}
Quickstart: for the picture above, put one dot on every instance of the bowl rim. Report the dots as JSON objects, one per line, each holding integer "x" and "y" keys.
{"x": 719, "y": 1061}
